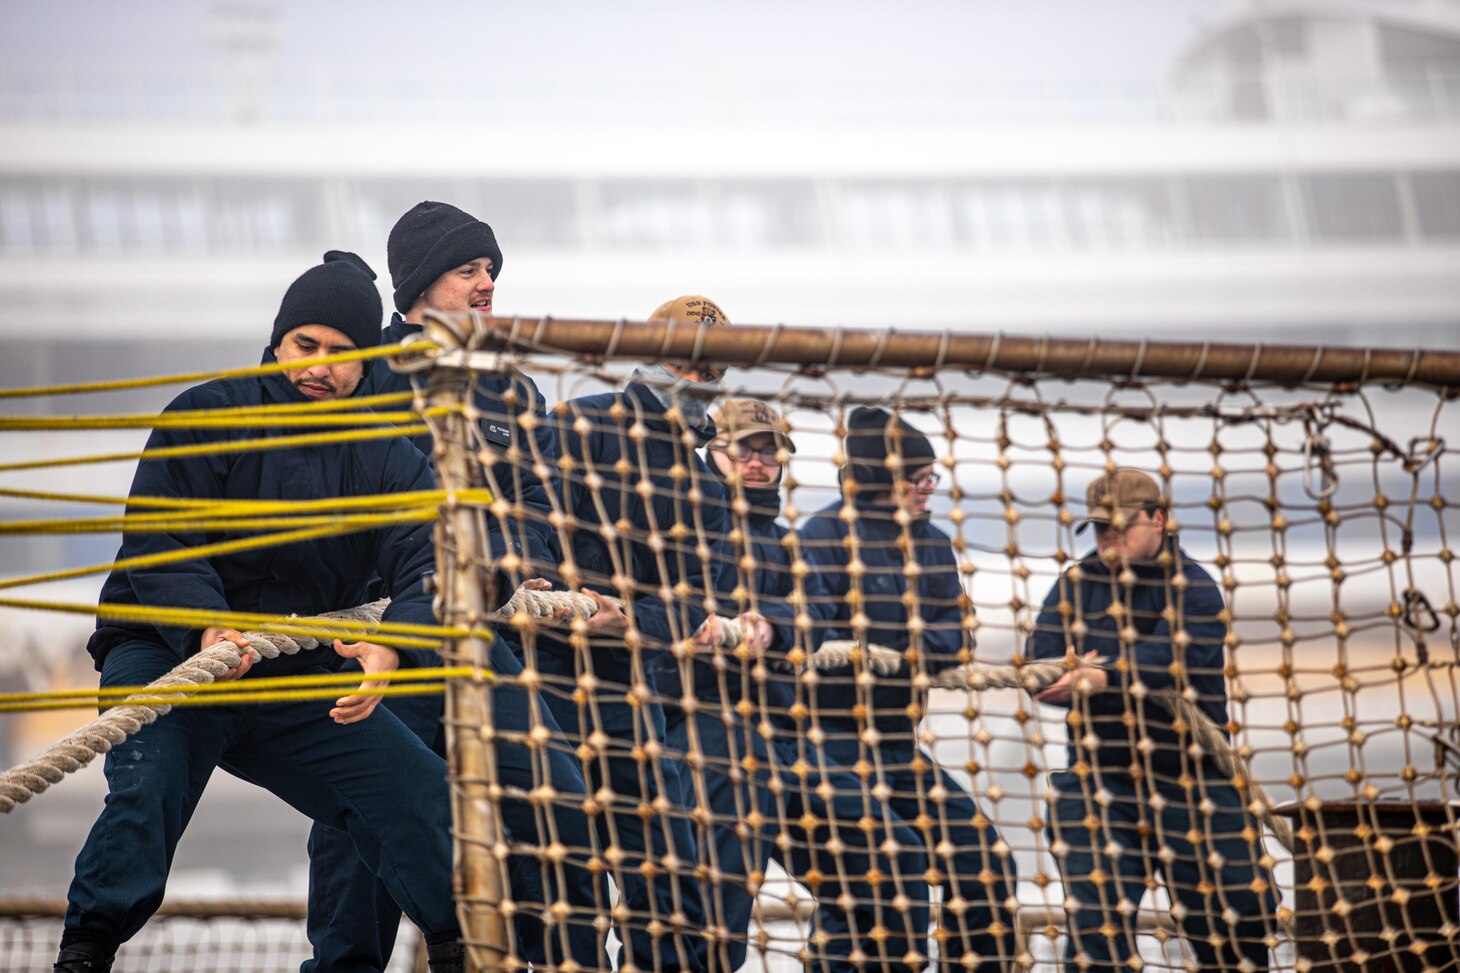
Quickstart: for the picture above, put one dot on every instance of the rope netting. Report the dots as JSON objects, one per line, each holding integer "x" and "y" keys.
{"x": 969, "y": 737}
{"x": 974, "y": 650}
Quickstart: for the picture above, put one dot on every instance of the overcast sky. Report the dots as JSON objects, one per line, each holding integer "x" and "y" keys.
{"x": 769, "y": 40}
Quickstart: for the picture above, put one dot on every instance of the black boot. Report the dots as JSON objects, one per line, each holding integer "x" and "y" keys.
{"x": 447, "y": 957}
{"x": 84, "y": 957}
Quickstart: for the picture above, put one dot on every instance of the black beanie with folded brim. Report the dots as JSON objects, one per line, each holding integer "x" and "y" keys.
{"x": 430, "y": 239}
{"x": 339, "y": 293}
{"x": 872, "y": 436}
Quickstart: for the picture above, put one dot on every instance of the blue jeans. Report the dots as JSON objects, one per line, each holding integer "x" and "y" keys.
{"x": 959, "y": 839}
{"x": 733, "y": 792}
{"x": 1128, "y": 821}
{"x": 372, "y": 781}
{"x": 352, "y": 918}
{"x": 638, "y": 782}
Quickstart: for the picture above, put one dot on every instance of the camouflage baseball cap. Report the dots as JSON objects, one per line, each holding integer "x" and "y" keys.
{"x": 737, "y": 419}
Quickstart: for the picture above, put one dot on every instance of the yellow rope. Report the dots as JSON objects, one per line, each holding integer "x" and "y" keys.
{"x": 273, "y": 696}
{"x": 200, "y": 552}
{"x": 84, "y": 698}
{"x": 216, "y": 449}
{"x": 365, "y": 405}
{"x": 147, "y": 525}
{"x": 363, "y": 354}
{"x": 173, "y": 420}
{"x": 213, "y": 508}
{"x": 399, "y": 634}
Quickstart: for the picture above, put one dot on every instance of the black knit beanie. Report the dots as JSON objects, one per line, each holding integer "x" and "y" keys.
{"x": 430, "y": 239}
{"x": 339, "y": 293}
{"x": 872, "y": 436}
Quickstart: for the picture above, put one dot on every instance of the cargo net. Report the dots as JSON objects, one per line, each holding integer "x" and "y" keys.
{"x": 800, "y": 722}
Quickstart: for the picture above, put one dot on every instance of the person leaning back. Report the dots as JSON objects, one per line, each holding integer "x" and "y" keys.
{"x": 346, "y": 763}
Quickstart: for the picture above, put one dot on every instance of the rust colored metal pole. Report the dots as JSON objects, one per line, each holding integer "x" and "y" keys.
{"x": 1054, "y": 357}
{"x": 463, "y": 589}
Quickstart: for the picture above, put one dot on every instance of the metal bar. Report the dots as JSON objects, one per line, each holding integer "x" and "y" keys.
{"x": 1053, "y": 357}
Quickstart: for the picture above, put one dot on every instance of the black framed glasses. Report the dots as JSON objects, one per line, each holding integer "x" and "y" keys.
{"x": 769, "y": 456}
{"x": 928, "y": 481}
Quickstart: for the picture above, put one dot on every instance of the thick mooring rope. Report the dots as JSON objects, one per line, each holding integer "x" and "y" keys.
{"x": 76, "y": 750}
{"x": 1035, "y": 676}
{"x": 541, "y": 603}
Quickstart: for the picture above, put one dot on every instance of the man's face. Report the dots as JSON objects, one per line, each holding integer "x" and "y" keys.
{"x": 465, "y": 288}
{"x": 913, "y": 492}
{"x": 753, "y": 458}
{"x": 700, "y": 373}
{"x": 310, "y": 342}
{"x": 1140, "y": 541}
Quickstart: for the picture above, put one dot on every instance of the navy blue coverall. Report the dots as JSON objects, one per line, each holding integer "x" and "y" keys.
{"x": 629, "y": 473}
{"x": 353, "y": 920}
{"x": 972, "y": 872}
{"x": 351, "y": 777}
{"x": 1132, "y": 820}
{"x": 812, "y": 801}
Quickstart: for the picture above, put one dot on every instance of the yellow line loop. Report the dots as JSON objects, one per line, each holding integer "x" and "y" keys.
{"x": 397, "y": 634}
{"x": 55, "y": 699}
{"x": 364, "y": 354}
{"x": 216, "y": 449}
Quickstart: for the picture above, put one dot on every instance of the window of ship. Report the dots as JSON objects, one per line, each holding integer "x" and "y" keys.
{"x": 1437, "y": 202}
{"x": 675, "y": 212}
{"x": 1234, "y": 209}
{"x": 1352, "y": 205}
{"x": 149, "y": 216}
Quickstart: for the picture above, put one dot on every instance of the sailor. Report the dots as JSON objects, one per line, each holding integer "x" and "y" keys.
{"x": 444, "y": 259}
{"x": 346, "y": 764}
{"x": 892, "y": 579}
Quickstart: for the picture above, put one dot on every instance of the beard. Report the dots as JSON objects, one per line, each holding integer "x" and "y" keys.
{"x": 693, "y": 399}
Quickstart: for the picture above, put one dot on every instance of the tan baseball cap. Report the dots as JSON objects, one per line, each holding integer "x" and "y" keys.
{"x": 1128, "y": 490}
{"x": 690, "y": 309}
{"x": 737, "y": 419}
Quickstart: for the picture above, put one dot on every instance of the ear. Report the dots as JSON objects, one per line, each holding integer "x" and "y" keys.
{"x": 1158, "y": 517}
{"x": 417, "y": 310}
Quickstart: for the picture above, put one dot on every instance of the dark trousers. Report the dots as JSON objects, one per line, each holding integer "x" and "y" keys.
{"x": 813, "y": 810}
{"x": 1099, "y": 930}
{"x": 353, "y": 920}
{"x": 372, "y": 781}
{"x": 646, "y": 821}
{"x": 959, "y": 839}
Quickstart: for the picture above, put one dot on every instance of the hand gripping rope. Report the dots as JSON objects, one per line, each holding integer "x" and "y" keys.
{"x": 1207, "y": 736}
{"x": 1031, "y": 677}
{"x": 75, "y": 751}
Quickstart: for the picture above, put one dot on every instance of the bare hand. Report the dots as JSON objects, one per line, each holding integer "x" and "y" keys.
{"x": 373, "y": 658}
{"x": 608, "y": 618}
{"x": 709, "y": 634}
{"x": 1085, "y": 679}
{"x": 757, "y": 632}
{"x": 212, "y": 636}
{"x": 543, "y": 584}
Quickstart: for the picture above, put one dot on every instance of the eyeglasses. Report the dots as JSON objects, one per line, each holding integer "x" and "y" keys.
{"x": 928, "y": 481}
{"x": 769, "y": 456}
{"x": 1146, "y": 515}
